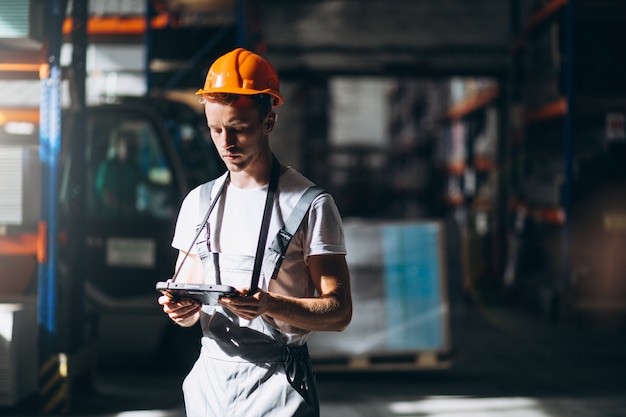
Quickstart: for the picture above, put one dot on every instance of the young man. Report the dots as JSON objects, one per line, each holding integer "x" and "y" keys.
{"x": 254, "y": 360}
{"x": 119, "y": 177}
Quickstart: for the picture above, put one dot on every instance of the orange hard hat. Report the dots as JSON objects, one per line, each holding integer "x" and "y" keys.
{"x": 242, "y": 72}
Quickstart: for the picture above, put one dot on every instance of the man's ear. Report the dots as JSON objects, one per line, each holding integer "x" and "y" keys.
{"x": 270, "y": 121}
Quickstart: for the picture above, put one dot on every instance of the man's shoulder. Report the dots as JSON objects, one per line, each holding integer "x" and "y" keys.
{"x": 293, "y": 188}
{"x": 293, "y": 180}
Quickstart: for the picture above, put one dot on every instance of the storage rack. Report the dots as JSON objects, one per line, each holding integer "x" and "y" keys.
{"x": 469, "y": 159}
{"x": 415, "y": 108}
{"x": 567, "y": 76}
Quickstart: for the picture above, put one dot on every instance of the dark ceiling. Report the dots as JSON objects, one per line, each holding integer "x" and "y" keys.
{"x": 413, "y": 37}
{"x": 387, "y": 36}
{"x": 326, "y": 37}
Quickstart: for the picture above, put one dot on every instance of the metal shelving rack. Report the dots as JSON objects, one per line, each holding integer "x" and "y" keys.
{"x": 554, "y": 76}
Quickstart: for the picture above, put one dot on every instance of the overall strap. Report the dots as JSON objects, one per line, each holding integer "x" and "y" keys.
{"x": 276, "y": 251}
{"x": 265, "y": 225}
{"x": 204, "y": 221}
{"x": 205, "y": 195}
{"x": 202, "y": 245}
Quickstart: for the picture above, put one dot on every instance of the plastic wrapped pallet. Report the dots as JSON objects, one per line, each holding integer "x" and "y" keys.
{"x": 400, "y": 301}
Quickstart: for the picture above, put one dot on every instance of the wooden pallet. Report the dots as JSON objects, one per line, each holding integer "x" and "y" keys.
{"x": 424, "y": 360}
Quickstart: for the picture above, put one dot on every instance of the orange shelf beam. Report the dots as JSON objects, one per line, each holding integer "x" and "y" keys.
{"x": 554, "y": 215}
{"x": 17, "y": 67}
{"x": 115, "y": 25}
{"x": 551, "y": 216}
{"x": 25, "y": 244}
{"x": 465, "y": 107}
{"x": 546, "y": 11}
{"x": 482, "y": 204}
{"x": 454, "y": 200}
{"x": 19, "y": 115}
{"x": 549, "y": 111}
{"x": 484, "y": 164}
{"x": 454, "y": 167}
{"x": 536, "y": 18}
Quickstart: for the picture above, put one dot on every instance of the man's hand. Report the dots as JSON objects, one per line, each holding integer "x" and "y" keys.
{"x": 246, "y": 307}
{"x": 185, "y": 313}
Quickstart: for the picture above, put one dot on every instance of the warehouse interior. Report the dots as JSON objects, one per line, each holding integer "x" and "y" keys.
{"x": 487, "y": 137}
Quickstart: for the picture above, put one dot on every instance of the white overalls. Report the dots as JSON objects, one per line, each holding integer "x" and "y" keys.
{"x": 245, "y": 368}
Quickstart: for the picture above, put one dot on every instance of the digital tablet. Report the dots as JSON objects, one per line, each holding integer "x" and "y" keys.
{"x": 204, "y": 293}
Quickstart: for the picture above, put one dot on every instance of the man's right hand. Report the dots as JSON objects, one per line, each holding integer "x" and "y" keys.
{"x": 185, "y": 313}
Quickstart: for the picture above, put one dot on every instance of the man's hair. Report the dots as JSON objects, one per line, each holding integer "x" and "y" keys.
{"x": 262, "y": 102}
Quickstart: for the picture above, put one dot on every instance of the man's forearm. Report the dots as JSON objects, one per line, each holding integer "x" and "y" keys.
{"x": 327, "y": 313}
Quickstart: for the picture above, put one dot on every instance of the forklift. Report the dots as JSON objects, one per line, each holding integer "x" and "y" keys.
{"x": 124, "y": 251}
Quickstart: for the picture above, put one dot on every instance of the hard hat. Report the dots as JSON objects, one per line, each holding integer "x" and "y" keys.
{"x": 242, "y": 72}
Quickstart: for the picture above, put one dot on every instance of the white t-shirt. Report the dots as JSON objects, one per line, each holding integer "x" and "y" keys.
{"x": 241, "y": 213}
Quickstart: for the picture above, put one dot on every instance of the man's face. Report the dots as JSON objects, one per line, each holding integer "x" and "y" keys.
{"x": 238, "y": 132}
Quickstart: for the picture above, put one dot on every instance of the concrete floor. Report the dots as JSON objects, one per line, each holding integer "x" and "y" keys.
{"x": 505, "y": 363}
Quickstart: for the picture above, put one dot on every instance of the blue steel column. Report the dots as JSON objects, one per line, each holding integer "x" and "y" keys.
{"x": 241, "y": 27}
{"x": 50, "y": 141}
{"x": 242, "y": 24}
{"x": 53, "y": 364}
{"x": 46, "y": 291}
{"x": 196, "y": 58}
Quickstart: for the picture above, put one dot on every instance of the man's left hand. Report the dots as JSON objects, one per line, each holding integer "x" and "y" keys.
{"x": 246, "y": 306}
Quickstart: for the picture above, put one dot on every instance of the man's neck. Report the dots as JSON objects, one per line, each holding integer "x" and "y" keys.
{"x": 254, "y": 176}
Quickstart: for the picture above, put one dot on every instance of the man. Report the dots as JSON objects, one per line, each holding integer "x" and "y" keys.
{"x": 254, "y": 360}
{"x": 118, "y": 177}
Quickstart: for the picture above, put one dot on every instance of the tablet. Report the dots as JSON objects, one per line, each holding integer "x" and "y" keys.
{"x": 203, "y": 293}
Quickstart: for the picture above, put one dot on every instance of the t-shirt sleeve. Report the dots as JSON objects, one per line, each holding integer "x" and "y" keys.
{"x": 186, "y": 223}
{"x": 324, "y": 232}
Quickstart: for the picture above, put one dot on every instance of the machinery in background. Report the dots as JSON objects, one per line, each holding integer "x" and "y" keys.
{"x": 126, "y": 236}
